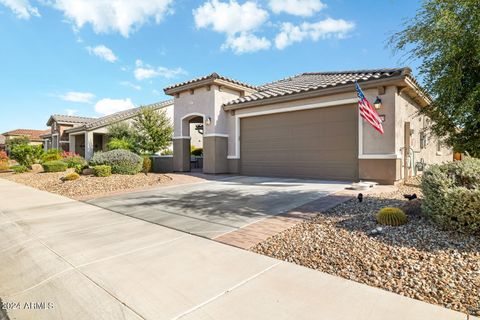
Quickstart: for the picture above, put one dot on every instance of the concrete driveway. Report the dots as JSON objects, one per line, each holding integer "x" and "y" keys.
{"x": 213, "y": 208}
{"x": 64, "y": 259}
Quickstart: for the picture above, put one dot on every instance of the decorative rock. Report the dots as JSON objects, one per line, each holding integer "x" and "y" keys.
{"x": 87, "y": 171}
{"x": 37, "y": 167}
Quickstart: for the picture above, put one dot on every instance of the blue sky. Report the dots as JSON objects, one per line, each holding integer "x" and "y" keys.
{"x": 90, "y": 57}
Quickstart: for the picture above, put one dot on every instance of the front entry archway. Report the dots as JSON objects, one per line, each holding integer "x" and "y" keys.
{"x": 192, "y": 128}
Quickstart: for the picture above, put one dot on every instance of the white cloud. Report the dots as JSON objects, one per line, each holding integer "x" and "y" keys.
{"x": 74, "y": 96}
{"x": 237, "y": 21}
{"x": 245, "y": 43}
{"x": 109, "y": 106}
{"x": 328, "y": 28}
{"x": 145, "y": 71}
{"x": 123, "y": 16}
{"x": 22, "y": 8}
{"x": 71, "y": 112}
{"x": 304, "y": 8}
{"x": 229, "y": 17}
{"x": 131, "y": 85}
{"x": 103, "y": 52}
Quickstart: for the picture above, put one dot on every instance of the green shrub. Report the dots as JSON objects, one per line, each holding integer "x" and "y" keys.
{"x": 102, "y": 171}
{"x": 119, "y": 144}
{"x": 167, "y": 152}
{"x": 147, "y": 164}
{"x": 19, "y": 169}
{"x": 121, "y": 161}
{"x": 54, "y": 166}
{"x": 51, "y": 155}
{"x": 71, "y": 176}
{"x": 26, "y": 154}
{"x": 391, "y": 216}
{"x": 74, "y": 161}
{"x": 452, "y": 195}
{"x": 197, "y": 152}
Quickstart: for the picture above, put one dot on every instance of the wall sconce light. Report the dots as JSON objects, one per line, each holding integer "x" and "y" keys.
{"x": 208, "y": 121}
{"x": 377, "y": 103}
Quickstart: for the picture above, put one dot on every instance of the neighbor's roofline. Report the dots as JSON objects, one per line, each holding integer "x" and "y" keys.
{"x": 85, "y": 127}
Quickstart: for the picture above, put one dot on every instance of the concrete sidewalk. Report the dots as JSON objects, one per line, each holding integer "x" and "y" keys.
{"x": 72, "y": 260}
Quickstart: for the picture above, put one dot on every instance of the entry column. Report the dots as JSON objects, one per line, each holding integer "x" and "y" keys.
{"x": 181, "y": 154}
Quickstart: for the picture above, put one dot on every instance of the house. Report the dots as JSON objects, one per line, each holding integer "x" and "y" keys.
{"x": 307, "y": 126}
{"x": 2, "y": 142}
{"x": 34, "y": 136}
{"x": 57, "y": 138}
{"x": 86, "y": 136}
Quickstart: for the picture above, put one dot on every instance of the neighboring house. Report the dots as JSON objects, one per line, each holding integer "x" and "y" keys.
{"x": 57, "y": 138}
{"x": 34, "y": 136}
{"x": 86, "y": 136}
{"x": 306, "y": 126}
{"x": 2, "y": 142}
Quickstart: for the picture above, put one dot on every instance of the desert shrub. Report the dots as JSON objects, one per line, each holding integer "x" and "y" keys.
{"x": 51, "y": 155}
{"x": 3, "y": 156}
{"x": 121, "y": 161}
{"x": 74, "y": 161}
{"x": 391, "y": 216}
{"x": 19, "y": 169}
{"x": 452, "y": 195}
{"x": 71, "y": 176}
{"x": 197, "y": 152}
{"x": 122, "y": 144}
{"x": 412, "y": 208}
{"x": 167, "y": 152}
{"x": 3, "y": 161}
{"x": 147, "y": 164}
{"x": 26, "y": 154}
{"x": 102, "y": 171}
{"x": 54, "y": 166}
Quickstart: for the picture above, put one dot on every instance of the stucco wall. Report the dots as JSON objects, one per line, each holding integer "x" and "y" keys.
{"x": 407, "y": 111}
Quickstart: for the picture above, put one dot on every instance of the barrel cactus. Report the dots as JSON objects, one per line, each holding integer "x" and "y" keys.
{"x": 391, "y": 216}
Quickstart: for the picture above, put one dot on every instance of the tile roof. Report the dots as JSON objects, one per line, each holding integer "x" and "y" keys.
{"x": 311, "y": 81}
{"x": 118, "y": 116}
{"x": 60, "y": 118}
{"x": 31, "y": 134}
{"x": 212, "y": 76}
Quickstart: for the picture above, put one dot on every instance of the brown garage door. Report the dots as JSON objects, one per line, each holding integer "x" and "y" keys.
{"x": 317, "y": 143}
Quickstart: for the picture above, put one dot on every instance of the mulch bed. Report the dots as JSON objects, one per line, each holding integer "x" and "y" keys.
{"x": 86, "y": 185}
{"x": 417, "y": 260}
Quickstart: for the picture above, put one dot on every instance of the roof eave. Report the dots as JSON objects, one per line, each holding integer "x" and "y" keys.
{"x": 205, "y": 82}
{"x": 397, "y": 80}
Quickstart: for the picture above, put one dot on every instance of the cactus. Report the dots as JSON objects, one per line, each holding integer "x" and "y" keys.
{"x": 391, "y": 216}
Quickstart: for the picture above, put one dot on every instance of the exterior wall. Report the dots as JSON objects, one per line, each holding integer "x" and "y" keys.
{"x": 384, "y": 171}
{"x": 181, "y": 154}
{"x": 407, "y": 111}
{"x": 162, "y": 164}
{"x": 233, "y": 166}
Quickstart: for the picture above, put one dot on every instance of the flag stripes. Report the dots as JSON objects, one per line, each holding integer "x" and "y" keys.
{"x": 367, "y": 112}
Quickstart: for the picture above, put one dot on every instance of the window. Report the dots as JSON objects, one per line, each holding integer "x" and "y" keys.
{"x": 423, "y": 139}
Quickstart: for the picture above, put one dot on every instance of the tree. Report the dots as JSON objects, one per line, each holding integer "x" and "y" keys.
{"x": 153, "y": 130}
{"x": 20, "y": 140}
{"x": 121, "y": 136}
{"x": 445, "y": 37}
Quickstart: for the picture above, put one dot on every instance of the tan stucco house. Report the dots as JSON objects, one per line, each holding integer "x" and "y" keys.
{"x": 306, "y": 126}
{"x": 34, "y": 136}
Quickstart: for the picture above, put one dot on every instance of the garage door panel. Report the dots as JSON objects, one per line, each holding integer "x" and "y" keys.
{"x": 318, "y": 143}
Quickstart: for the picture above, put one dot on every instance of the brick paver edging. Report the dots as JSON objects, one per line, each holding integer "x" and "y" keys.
{"x": 259, "y": 231}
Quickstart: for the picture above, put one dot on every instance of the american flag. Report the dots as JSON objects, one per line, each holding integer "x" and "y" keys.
{"x": 367, "y": 112}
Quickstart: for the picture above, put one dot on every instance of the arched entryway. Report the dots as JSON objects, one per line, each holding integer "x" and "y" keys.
{"x": 188, "y": 148}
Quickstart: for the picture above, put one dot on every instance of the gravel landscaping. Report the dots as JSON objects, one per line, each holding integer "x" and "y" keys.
{"x": 417, "y": 260}
{"x": 86, "y": 185}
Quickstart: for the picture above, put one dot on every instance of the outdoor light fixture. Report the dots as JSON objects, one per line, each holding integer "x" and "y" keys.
{"x": 208, "y": 121}
{"x": 378, "y": 103}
